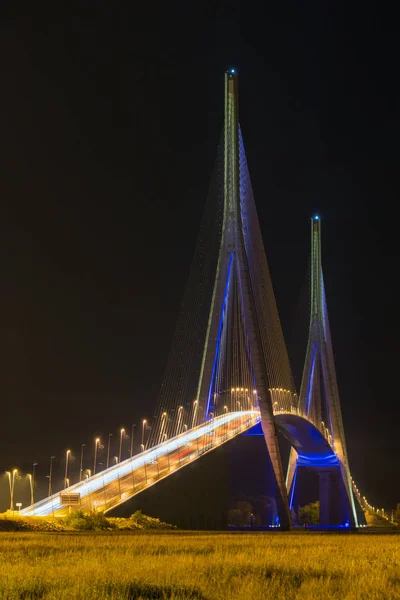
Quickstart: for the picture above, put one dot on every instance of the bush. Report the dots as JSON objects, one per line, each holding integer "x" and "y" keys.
{"x": 309, "y": 514}
{"x": 241, "y": 515}
{"x": 80, "y": 521}
{"x": 139, "y": 521}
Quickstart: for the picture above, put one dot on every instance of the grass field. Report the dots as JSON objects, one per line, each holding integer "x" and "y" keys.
{"x": 199, "y": 566}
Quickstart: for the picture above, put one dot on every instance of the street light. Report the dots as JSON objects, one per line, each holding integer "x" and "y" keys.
{"x": 195, "y": 406}
{"x": 122, "y": 432}
{"x": 81, "y": 466}
{"x": 164, "y": 418}
{"x": 34, "y": 465}
{"x": 66, "y": 480}
{"x": 11, "y": 482}
{"x": 31, "y": 487}
{"x": 143, "y": 428}
{"x": 116, "y": 459}
{"x": 108, "y": 449}
{"x": 50, "y": 475}
{"x": 96, "y": 445}
{"x": 14, "y": 475}
{"x": 211, "y": 415}
{"x": 131, "y": 452}
{"x": 179, "y": 420}
{"x": 19, "y": 504}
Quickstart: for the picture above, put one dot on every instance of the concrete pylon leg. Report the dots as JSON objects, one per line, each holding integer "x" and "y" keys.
{"x": 291, "y": 469}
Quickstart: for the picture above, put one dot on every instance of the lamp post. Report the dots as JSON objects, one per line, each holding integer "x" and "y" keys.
{"x": 164, "y": 417}
{"x": 11, "y": 482}
{"x": 66, "y": 468}
{"x": 122, "y": 432}
{"x": 131, "y": 452}
{"x": 50, "y": 491}
{"x": 14, "y": 475}
{"x": 11, "y": 490}
{"x": 143, "y": 428}
{"x": 116, "y": 459}
{"x": 108, "y": 449}
{"x": 211, "y": 433}
{"x": 179, "y": 419}
{"x": 18, "y": 505}
{"x": 96, "y": 445}
{"x": 81, "y": 465}
{"x": 195, "y": 405}
{"x": 180, "y": 415}
{"x": 34, "y": 465}
{"x": 30, "y": 477}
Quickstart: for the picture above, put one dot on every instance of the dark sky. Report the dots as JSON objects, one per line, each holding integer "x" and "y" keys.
{"x": 110, "y": 120}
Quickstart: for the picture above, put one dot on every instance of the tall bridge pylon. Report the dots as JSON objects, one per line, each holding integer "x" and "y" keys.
{"x": 243, "y": 301}
{"x": 319, "y": 403}
{"x": 237, "y": 359}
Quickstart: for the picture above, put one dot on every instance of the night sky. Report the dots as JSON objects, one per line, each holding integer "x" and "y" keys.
{"x": 110, "y": 121}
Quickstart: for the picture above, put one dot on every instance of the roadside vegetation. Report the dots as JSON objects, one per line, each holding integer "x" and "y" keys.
{"x": 79, "y": 521}
{"x": 125, "y": 565}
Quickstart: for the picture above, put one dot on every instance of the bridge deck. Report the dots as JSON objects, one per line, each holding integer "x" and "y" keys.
{"x": 115, "y": 485}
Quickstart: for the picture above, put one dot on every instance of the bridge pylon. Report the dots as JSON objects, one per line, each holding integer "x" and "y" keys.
{"x": 229, "y": 353}
{"x": 319, "y": 402}
{"x": 244, "y": 339}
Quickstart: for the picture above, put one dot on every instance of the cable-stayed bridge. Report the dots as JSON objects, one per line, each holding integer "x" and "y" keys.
{"x": 229, "y": 371}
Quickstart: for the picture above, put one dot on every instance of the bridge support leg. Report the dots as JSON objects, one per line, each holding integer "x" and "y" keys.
{"x": 324, "y": 497}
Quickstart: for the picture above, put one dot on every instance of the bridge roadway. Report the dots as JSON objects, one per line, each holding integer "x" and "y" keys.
{"x": 115, "y": 485}
{"x": 111, "y": 487}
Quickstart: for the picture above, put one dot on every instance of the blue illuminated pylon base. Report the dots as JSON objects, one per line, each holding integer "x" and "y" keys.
{"x": 324, "y": 483}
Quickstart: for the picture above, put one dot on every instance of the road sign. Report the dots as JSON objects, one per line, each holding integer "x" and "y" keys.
{"x": 70, "y": 499}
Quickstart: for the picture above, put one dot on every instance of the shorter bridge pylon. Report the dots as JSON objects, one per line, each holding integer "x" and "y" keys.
{"x": 319, "y": 404}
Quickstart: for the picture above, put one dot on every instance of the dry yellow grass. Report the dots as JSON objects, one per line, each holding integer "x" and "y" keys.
{"x": 199, "y": 566}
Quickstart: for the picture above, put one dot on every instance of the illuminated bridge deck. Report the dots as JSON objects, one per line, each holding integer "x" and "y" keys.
{"x": 116, "y": 485}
